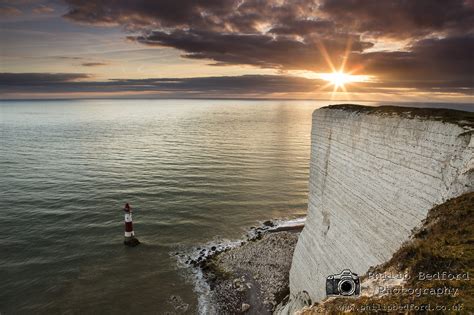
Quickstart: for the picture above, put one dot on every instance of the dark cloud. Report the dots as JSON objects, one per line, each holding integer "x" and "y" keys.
{"x": 303, "y": 27}
{"x": 93, "y": 64}
{"x": 402, "y": 18}
{"x": 37, "y": 79}
{"x": 205, "y": 86}
{"x": 227, "y": 86}
{"x": 164, "y": 13}
{"x": 436, "y": 62}
{"x": 395, "y": 18}
{"x": 7, "y": 11}
{"x": 285, "y": 34}
{"x": 291, "y": 34}
{"x": 67, "y": 57}
{"x": 273, "y": 33}
{"x": 43, "y": 9}
{"x": 254, "y": 49}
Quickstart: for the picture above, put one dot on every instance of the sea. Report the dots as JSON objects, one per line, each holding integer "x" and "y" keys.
{"x": 196, "y": 172}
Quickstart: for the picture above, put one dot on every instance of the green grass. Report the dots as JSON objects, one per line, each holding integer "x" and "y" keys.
{"x": 458, "y": 117}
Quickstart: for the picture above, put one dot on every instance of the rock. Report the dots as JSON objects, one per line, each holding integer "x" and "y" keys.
{"x": 293, "y": 303}
{"x": 245, "y": 307}
{"x": 213, "y": 248}
{"x": 178, "y": 303}
{"x": 131, "y": 241}
{"x": 269, "y": 223}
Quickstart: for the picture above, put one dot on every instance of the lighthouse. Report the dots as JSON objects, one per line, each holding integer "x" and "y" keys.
{"x": 130, "y": 239}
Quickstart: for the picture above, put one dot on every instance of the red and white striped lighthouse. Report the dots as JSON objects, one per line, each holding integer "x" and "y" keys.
{"x": 128, "y": 221}
{"x": 130, "y": 238}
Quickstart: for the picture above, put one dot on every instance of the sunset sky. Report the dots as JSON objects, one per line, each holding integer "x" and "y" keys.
{"x": 397, "y": 50}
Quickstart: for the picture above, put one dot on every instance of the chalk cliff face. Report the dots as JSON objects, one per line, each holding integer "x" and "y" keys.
{"x": 374, "y": 174}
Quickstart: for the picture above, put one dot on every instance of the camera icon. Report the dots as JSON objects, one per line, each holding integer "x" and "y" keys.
{"x": 344, "y": 284}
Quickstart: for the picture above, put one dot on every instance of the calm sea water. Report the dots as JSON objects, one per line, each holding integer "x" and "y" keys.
{"x": 195, "y": 171}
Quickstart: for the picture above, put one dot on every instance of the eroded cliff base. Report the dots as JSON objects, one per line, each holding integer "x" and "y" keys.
{"x": 443, "y": 246}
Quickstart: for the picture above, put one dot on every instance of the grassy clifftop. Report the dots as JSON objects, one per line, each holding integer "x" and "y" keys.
{"x": 444, "y": 243}
{"x": 458, "y": 117}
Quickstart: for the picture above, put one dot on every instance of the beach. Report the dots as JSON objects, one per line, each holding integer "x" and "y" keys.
{"x": 251, "y": 275}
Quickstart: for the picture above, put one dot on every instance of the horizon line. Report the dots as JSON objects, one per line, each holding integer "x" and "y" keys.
{"x": 225, "y": 99}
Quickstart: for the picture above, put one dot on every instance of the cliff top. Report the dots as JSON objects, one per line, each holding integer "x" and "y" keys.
{"x": 458, "y": 117}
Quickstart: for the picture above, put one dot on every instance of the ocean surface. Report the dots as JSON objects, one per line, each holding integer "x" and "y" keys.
{"x": 195, "y": 172}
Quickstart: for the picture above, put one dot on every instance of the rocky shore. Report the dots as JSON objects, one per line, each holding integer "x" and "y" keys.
{"x": 248, "y": 276}
{"x": 253, "y": 277}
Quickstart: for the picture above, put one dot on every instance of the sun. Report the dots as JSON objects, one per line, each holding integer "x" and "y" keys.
{"x": 338, "y": 78}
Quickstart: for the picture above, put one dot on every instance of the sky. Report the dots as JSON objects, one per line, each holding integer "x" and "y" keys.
{"x": 386, "y": 50}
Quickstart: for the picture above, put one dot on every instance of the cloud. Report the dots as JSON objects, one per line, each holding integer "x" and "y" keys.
{"x": 436, "y": 62}
{"x": 43, "y": 9}
{"x": 38, "y": 79}
{"x": 204, "y": 86}
{"x": 93, "y": 64}
{"x": 225, "y": 86}
{"x": 274, "y": 33}
{"x": 303, "y": 27}
{"x": 67, "y": 57}
{"x": 146, "y": 12}
{"x": 6, "y": 11}
{"x": 296, "y": 34}
{"x": 260, "y": 50}
{"x": 402, "y": 18}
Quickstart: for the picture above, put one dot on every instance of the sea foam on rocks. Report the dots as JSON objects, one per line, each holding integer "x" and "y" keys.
{"x": 193, "y": 260}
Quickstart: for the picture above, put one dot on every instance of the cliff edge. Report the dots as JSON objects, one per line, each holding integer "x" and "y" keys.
{"x": 374, "y": 174}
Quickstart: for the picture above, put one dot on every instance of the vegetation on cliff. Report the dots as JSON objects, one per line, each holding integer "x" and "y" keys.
{"x": 444, "y": 243}
{"x": 458, "y": 117}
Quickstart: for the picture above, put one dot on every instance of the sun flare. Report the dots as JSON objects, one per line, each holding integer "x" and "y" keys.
{"x": 339, "y": 78}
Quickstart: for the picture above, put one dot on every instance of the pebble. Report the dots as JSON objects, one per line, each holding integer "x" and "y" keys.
{"x": 269, "y": 223}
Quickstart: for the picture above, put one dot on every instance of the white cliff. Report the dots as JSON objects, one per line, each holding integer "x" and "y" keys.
{"x": 374, "y": 175}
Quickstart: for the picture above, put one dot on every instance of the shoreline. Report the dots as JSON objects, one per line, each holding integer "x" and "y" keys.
{"x": 245, "y": 276}
{"x": 252, "y": 278}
